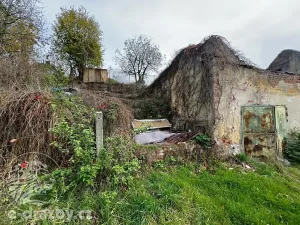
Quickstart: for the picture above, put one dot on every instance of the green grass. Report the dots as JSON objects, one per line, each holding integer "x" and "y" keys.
{"x": 185, "y": 194}
{"x": 225, "y": 197}
{"x": 112, "y": 81}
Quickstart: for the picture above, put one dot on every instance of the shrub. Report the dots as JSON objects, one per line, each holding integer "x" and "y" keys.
{"x": 292, "y": 150}
{"x": 204, "y": 140}
{"x": 112, "y": 81}
{"x": 118, "y": 160}
{"x": 242, "y": 157}
{"x": 74, "y": 136}
{"x": 55, "y": 76}
{"x": 151, "y": 109}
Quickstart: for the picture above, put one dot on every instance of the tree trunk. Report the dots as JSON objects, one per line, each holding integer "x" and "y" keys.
{"x": 141, "y": 79}
{"x": 135, "y": 78}
{"x": 80, "y": 73}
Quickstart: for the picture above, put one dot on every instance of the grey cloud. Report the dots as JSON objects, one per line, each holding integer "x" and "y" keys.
{"x": 259, "y": 28}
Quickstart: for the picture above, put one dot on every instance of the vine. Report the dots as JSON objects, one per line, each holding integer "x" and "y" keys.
{"x": 191, "y": 81}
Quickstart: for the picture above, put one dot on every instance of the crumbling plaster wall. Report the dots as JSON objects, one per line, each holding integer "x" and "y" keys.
{"x": 239, "y": 86}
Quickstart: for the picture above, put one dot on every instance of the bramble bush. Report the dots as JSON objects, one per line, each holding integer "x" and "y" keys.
{"x": 74, "y": 135}
{"x": 119, "y": 160}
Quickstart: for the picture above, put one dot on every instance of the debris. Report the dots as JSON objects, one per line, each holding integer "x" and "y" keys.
{"x": 150, "y": 137}
{"x": 12, "y": 140}
{"x": 284, "y": 161}
{"x": 181, "y": 137}
{"x": 246, "y": 166}
{"x": 152, "y": 124}
{"x": 70, "y": 90}
{"x": 67, "y": 90}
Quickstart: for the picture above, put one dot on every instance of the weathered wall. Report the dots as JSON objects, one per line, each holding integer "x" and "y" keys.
{"x": 189, "y": 92}
{"x": 236, "y": 87}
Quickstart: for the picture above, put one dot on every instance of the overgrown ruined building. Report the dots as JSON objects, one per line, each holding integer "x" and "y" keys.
{"x": 213, "y": 88}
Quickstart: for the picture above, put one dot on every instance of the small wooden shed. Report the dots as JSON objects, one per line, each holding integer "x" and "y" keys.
{"x": 93, "y": 75}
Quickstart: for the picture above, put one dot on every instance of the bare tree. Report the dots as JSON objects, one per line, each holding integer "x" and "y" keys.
{"x": 139, "y": 57}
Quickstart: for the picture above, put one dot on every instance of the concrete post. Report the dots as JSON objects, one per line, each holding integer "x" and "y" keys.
{"x": 99, "y": 131}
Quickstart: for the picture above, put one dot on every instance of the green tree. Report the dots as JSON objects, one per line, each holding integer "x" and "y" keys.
{"x": 22, "y": 39}
{"x": 77, "y": 40}
{"x": 21, "y": 26}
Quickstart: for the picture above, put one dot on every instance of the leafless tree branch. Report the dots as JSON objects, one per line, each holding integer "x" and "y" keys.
{"x": 139, "y": 57}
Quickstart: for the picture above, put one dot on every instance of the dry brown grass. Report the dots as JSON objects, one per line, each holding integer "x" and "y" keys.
{"x": 25, "y": 119}
{"x": 19, "y": 74}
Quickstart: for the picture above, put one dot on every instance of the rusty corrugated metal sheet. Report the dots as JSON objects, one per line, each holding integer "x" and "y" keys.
{"x": 263, "y": 130}
{"x": 260, "y": 145}
{"x": 259, "y": 130}
{"x": 259, "y": 119}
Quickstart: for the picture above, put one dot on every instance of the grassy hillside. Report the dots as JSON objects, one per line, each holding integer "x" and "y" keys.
{"x": 118, "y": 186}
{"x": 193, "y": 194}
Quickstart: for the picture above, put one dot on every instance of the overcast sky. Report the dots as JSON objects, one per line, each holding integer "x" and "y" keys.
{"x": 258, "y": 28}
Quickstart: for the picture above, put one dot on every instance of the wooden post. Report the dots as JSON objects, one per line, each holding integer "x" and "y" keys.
{"x": 99, "y": 131}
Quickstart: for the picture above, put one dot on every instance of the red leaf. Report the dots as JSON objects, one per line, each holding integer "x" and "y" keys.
{"x": 103, "y": 106}
{"x": 24, "y": 165}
